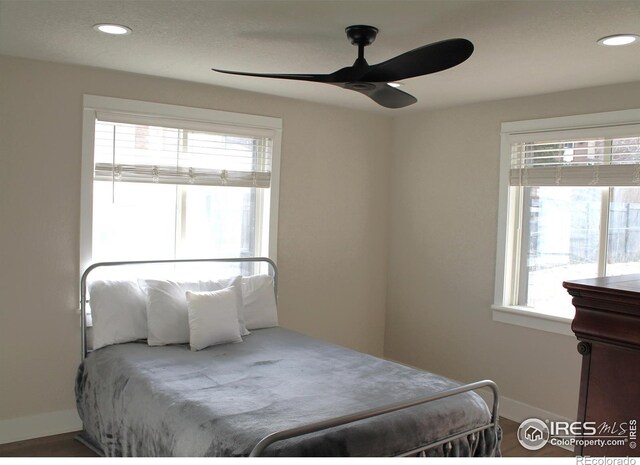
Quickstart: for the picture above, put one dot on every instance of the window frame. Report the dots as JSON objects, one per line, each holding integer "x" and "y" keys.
{"x": 92, "y": 104}
{"x": 510, "y": 216}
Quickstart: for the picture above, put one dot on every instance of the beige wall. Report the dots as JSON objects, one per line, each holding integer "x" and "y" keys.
{"x": 332, "y": 242}
{"x": 443, "y": 224}
{"x": 362, "y": 197}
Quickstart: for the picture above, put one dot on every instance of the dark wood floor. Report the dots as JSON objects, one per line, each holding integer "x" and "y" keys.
{"x": 60, "y": 445}
{"x": 63, "y": 445}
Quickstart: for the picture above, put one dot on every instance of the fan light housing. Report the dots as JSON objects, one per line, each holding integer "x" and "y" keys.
{"x": 618, "y": 39}
{"x": 112, "y": 29}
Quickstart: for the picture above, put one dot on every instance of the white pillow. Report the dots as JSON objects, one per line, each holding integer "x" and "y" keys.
{"x": 206, "y": 286}
{"x": 213, "y": 317}
{"x": 236, "y": 283}
{"x": 167, "y": 317}
{"x": 259, "y": 302}
{"x": 118, "y": 312}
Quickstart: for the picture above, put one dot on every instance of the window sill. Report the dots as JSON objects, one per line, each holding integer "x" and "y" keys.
{"x": 521, "y": 316}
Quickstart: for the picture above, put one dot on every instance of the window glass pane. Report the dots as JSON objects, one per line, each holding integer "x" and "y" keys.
{"x": 560, "y": 242}
{"x": 623, "y": 252}
{"x": 134, "y": 222}
{"x": 217, "y": 222}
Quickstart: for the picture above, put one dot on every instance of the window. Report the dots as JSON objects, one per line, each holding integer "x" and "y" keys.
{"x": 569, "y": 209}
{"x": 165, "y": 182}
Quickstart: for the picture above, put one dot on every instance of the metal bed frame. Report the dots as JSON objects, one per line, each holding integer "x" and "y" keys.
{"x": 317, "y": 426}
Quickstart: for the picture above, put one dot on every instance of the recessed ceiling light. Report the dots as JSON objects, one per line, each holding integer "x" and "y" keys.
{"x": 619, "y": 39}
{"x": 395, "y": 84}
{"x": 113, "y": 29}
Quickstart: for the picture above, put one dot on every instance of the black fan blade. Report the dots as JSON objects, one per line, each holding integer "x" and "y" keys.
{"x": 420, "y": 61}
{"x": 295, "y": 77}
{"x": 381, "y": 93}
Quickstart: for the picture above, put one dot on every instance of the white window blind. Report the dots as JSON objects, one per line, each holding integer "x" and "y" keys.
{"x": 593, "y": 161}
{"x": 129, "y": 148}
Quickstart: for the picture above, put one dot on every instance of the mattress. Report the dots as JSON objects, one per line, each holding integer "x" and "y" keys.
{"x": 136, "y": 400}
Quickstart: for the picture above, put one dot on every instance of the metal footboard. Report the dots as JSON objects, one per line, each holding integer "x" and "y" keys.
{"x": 352, "y": 418}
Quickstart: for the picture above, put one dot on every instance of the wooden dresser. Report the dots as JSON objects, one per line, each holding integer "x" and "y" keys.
{"x": 607, "y": 324}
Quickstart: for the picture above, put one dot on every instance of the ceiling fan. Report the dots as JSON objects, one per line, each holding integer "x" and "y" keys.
{"x": 373, "y": 80}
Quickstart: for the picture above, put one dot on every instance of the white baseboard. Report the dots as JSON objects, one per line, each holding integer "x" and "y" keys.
{"x": 519, "y": 411}
{"x": 36, "y": 426}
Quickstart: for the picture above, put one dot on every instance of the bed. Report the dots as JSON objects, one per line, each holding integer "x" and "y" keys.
{"x": 277, "y": 393}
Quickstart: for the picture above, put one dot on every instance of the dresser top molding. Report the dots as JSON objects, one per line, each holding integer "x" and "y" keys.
{"x": 607, "y": 309}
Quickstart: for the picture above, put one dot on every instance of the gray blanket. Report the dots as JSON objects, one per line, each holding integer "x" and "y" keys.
{"x": 136, "y": 400}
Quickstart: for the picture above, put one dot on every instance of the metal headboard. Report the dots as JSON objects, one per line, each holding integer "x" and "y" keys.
{"x": 83, "y": 281}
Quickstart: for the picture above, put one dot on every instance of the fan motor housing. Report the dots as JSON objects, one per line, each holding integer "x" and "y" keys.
{"x": 361, "y": 35}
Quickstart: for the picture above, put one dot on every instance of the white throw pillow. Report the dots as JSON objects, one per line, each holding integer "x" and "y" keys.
{"x": 259, "y": 302}
{"x": 118, "y": 312}
{"x": 167, "y": 317}
{"x": 213, "y": 317}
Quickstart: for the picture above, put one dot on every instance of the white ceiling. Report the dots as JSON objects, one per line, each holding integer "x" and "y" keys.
{"x": 522, "y": 47}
